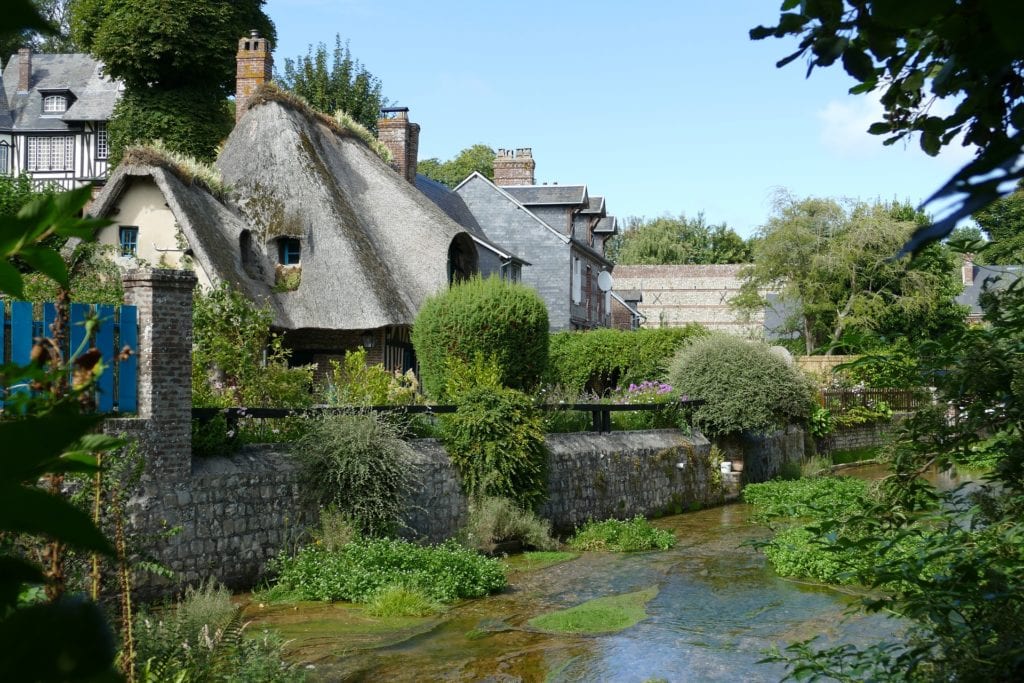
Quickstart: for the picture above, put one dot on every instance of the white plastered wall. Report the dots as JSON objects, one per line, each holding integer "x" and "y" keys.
{"x": 142, "y": 204}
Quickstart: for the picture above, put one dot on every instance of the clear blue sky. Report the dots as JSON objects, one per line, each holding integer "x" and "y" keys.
{"x": 662, "y": 107}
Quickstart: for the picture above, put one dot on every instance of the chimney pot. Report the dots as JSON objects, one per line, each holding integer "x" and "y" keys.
{"x": 254, "y": 66}
{"x": 514, "y": 167}
{"x": 402, "y": 138}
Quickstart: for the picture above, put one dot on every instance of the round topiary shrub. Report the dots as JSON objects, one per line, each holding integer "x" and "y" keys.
{"x": 746, "y": 386}
{"x": 496, "y": 319}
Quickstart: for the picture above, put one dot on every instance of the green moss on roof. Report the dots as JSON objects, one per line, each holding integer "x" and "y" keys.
{"x": 187, "y": 169}
{"x": 341, "y": 123}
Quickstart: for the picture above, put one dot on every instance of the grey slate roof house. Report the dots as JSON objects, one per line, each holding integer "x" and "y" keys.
{"x": 54, "y": 110}
{"x": 978, "y": 279}
{"x": 560, "y": 229}
{"x": 342, "y": 248}
{"x": 401, "y": 137}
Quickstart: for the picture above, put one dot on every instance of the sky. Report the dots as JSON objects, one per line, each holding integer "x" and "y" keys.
{"x": 662, "y": 107}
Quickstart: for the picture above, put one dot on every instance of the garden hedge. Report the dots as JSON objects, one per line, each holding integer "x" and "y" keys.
{"x": 498, "y": 320}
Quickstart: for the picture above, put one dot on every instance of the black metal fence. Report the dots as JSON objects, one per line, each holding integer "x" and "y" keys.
{"x": 901, "y": 400}
{"x": 601, "y": 420}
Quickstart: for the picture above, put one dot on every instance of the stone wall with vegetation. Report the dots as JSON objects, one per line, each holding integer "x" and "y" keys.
{"x": 859, "y": 436}
{"x": 225, "y": 517}
{"x": 590, "y": 476}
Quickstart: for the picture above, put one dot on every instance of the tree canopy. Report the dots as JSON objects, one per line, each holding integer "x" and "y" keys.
{"x": 667, "y": 240}
{"x": 478, "y": 158}
{"x": 57, "y": 14}
{"x": 345, "y": 84}
{"x": 832, "y": 268}
{"x": 1003, "y": 223}
{"x": 918, "y": 52}
{"x": 177, "y": 60}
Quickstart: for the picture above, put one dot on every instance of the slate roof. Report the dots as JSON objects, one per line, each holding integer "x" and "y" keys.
{"x": 990, "y": 277}
{"x": 94, "y": 95}
{"x": 605, "y": 225}
{"x": 453, "y": 205}
{"x": 535, "y": 195}
{"x": 594, "y": 205}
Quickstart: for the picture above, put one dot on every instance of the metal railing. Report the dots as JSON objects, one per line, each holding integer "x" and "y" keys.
{"x": 601, "y": 420}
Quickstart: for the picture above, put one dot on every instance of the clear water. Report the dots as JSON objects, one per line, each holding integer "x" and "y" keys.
{"x": 718, "y": 608}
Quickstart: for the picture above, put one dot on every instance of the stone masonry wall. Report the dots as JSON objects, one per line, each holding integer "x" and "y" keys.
{"x": 590, "y": 476}
{"x": 760, "y": 457}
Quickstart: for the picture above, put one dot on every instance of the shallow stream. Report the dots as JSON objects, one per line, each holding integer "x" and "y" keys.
{"x": 717, "y": 609}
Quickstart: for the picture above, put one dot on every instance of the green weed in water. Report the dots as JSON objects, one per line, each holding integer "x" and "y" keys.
{"x": 621, "y": 536}
{"x": 601, "y": 615}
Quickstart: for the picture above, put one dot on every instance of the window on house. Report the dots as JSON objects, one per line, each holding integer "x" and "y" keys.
{"x": 128, "y": 236}
{"x": 289, "y": 251}
{"x": 511, "y": 271}
{"x": 5, "y": 158}
{"x": 102, "y": 141}
{"x": 51, "y": 153}
{"x": 55, "y": 104}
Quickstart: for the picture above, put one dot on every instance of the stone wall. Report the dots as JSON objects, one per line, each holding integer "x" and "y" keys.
{"x": 760, "y": 457}
{"x": 590, "y": 476}
{"x": 860, "y": 436}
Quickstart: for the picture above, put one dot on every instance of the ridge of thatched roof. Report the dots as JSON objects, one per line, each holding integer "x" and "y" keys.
{"x": 373, "y": 246}
{"x": 187, "y": 169}
{"x": 341, "y": 123}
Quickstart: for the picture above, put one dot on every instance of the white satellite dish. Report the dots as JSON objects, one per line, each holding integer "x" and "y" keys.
{"x": 604, "y": 281}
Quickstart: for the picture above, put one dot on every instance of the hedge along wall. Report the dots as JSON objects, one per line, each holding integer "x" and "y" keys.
{"x": 235, "y": 513}
{"x": 600, "y": 360}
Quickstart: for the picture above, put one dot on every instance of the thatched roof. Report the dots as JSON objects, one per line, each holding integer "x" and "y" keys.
{"x": 373, "y": 247}
{"x": 210, "y": 227}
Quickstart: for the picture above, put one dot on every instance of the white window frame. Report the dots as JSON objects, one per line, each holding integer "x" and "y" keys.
{"x": 50, "y": 153}
{"x": 102, "y": 141}
{"x": 55, "y": 104}
{"x": 5, "y": 158}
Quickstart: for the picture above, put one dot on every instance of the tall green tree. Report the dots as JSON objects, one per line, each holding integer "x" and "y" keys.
{"x": 478, "y": 158}
{"x": 177, "y": 60}
{"x": 667, "y": 240}
{"x": 1003, "y": 223}
{"x": 344, "y": 84}
{"x": 969, "y": 52}
{"x": 832, "y": 266}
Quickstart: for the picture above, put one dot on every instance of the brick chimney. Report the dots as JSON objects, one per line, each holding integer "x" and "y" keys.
{"x": 255, "y": 66}
{"x": 514, "y": 168}
{"x": 402, "y": 139}
{"x": 967, "y": 270}
{"x": 24, "y": 69}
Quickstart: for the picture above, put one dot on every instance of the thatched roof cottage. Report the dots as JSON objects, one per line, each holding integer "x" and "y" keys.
{"x": 309, "y": 219}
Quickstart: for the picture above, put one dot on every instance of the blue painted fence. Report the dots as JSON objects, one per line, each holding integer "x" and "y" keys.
{"x": 117, "y": 388}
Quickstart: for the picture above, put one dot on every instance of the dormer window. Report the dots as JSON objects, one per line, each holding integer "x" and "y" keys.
{"x": 55, "y": 104}
{"x": 289, "y": 251}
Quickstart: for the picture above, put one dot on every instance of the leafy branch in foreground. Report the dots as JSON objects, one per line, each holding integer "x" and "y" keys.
{"x": 918, "y": 53}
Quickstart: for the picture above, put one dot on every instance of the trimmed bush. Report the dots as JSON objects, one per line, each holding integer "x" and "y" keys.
{"x": 601, "y": 360}
{"x": 503, "y": 321}
{"x": 358, "y": 465}
{"x": 746, "y": 386}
